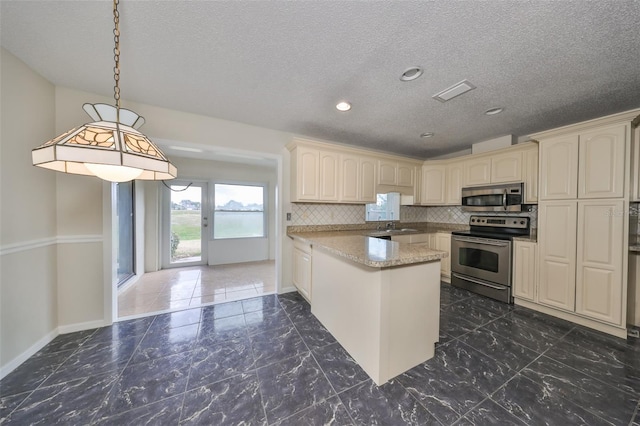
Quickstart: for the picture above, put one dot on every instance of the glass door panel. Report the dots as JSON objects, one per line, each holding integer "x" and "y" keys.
{"x": 187, "y": 236}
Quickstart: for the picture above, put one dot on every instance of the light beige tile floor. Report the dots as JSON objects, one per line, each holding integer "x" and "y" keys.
{"x": 181, "y": 288}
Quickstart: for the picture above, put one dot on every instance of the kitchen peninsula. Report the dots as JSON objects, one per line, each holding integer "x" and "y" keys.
{"x": 380, "y": 299}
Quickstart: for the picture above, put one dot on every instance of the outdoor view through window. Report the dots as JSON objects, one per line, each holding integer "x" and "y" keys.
{"x": 186, "y": 224}
{"x": 239, "y": 211}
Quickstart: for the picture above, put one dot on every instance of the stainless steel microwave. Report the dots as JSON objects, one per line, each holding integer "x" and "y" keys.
{"x": 493, "y": 198}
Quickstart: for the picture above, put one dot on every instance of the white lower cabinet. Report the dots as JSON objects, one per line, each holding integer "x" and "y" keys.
{"x": 525, "y": 269}
{"x": 443, "y": 243}
{"x": 302, "y": 263}
{"x": 557, "y": 239}
{"x": 437, "y": 241}
{"x": 600, "y": 259}
{"x": 633, "y": 302}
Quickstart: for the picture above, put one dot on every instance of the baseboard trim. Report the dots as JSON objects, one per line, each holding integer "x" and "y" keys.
{"x": 81, "y": 326}
{"x": 287, "y": 290}
{"x": 44, "y": 341}
{"x": 32, "y": 350}
{"x": 609, "y": 329}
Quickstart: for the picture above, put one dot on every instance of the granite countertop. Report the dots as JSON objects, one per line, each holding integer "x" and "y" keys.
{"x": 374, "y": 252}
{"x": 531, "y": 238}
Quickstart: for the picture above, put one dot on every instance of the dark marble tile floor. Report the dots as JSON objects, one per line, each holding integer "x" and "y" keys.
{"x": 269, "y": 361}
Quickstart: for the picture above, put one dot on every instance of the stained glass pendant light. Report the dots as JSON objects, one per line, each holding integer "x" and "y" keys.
{"x": 111, "y": 147}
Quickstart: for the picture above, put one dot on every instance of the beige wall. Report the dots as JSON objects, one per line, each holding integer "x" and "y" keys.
{"x": 40, "y": 204}
{"x": 28, "y": 307}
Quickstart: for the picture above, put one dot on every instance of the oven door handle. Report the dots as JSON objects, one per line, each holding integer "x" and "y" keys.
{"x": 481, "y": 241}
{"x": 504, "y": 200}
{"x": 495, "y": 287}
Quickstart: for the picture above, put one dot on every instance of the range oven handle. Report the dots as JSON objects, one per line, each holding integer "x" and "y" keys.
{"x": 495, "y": 287}
{"x": 504, "y": 200}
{"x": 481, "y": 241}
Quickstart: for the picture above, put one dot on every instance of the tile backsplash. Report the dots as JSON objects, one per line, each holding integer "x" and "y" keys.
{"x": 303, "y": 214}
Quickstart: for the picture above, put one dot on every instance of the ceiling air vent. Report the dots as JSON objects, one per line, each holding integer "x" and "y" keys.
{"x": 456, "y": 90}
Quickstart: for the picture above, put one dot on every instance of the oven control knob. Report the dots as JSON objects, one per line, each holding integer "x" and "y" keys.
{"x": 522, "y": 222}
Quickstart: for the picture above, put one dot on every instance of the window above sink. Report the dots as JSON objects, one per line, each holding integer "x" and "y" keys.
{"x": 386, "y": 208}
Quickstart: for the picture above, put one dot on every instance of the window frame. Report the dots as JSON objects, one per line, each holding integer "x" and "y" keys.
{"x": 265, "y": 208}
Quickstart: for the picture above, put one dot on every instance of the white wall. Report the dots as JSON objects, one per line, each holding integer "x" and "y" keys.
{"x": 28, "y": 306}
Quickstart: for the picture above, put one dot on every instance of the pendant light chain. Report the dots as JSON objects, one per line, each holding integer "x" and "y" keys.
{"x": 116, "y": 57}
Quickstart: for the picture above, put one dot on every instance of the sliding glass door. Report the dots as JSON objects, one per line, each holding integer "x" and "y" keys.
{"x": 126, "y": 255}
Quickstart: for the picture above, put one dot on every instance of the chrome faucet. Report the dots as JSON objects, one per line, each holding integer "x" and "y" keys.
{"x": 391, "y": 225}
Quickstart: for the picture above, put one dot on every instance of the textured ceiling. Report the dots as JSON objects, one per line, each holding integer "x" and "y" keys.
{"x": 284, "y": 65}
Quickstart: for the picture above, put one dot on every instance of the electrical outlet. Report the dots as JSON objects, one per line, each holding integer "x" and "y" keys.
{"x": 288, "y": 216}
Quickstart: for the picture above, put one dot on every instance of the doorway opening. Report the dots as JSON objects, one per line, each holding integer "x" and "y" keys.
{"x": 186, "y": 225}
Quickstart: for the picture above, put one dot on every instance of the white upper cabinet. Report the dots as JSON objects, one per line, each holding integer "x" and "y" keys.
{"x": 367, "y": 180}
{"x": 357, "y": 179}
{"x": 433, "y": 185}
{"x": 349, "y": 178}
{"x": 506, "y": 167}
{"x": 405, "y": 174}
{"x": 306, "y": 183}
{"x": 453, "y": 183}
{"x": 387, "y": 172}
{"x": 326, "y": 173}
{"x": 588, "y": 164}
{"x": 530, "y": 174}
{"x": 559, "y": 168}
{"x": 601, "y": 163}
{"x": 477, "y": 171}
{"x": 329, "y": 175}
{"x": 635, "y": 167}
{"x": 396, "y": 173}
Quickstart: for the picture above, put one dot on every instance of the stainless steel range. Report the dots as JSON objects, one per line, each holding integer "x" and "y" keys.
{"x": 481, "y": 258}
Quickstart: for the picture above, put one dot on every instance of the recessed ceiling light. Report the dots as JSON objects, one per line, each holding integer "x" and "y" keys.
{"x": 494, "y": 111}
{"x": 411, "y": 73}
{"x": 427, "y": 135}
{"x": 343, "y": 106}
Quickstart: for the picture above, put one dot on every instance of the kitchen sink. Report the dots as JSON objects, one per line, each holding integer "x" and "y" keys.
{"x": 388, "y": 232}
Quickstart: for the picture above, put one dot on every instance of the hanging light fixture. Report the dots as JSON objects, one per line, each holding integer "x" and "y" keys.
{"x": 111, "y": 147}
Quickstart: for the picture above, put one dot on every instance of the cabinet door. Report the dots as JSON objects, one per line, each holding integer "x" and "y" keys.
{"x": 453, "y": 184}
{"x": 307, "y": 173}
{"x": 368, "y": 180}
{"x": 405, "y": 174}
{"x": 557, "y": 241}
{"x": 302, "y": 272}
{"x": 601, "y": 163}
{"x": 559, "y": 168}
{"x": 387, "y": 172}
{"x": 443, "y": 243}
{"x": 433, "y": 185}
{"x": 328, "y": 176}
{"x": 599, "y": 286}
{"x": 477, "y": 171}
{"x": 417, "y": 187}
{"x": 349, "y": 178}
{"x": 635, "y": 167}
{"x": 525, "y": 272}
{"x": 506, "y": 167}
{"x": 530, "y": 178}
